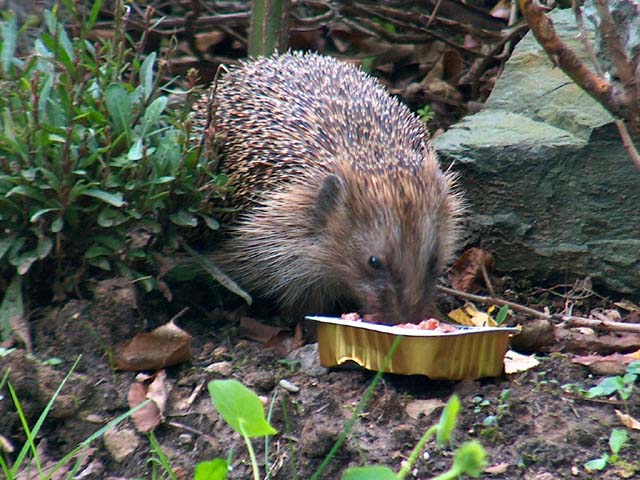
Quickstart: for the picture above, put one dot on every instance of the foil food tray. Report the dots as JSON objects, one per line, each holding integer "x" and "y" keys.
{"x": 466, "y": 353}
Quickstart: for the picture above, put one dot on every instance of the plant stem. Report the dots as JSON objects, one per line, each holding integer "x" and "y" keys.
{"x": 416, "y": 452}
{"x": 252, "y": 454}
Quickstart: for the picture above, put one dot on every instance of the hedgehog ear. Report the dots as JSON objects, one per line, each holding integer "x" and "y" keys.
{"x": 330, "y": 196}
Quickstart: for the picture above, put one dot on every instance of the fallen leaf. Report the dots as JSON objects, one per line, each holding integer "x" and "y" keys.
{"x": 120, "y": 443}
{"x": 614, "y": 364}
{"x": 627, "y": 305}
{"x": 472, "y": 317}
{"x": 416, "y": 408}
{"x": 497, "y": 469}
{"x": 149, "y": 416}
{"x": 163, "y": 347}
{"x": 515, "y": 362}
{"x": 628, "y": 421}
{"x": 501, "y": 10}
{"x": 206, "y": 40}
{"x": 5, "y": 445}
{"x": 258, "y": 331}
{"x": 466, "y": 272}
{"x": 276, "y": 338}
{"x": 158, "y": 391}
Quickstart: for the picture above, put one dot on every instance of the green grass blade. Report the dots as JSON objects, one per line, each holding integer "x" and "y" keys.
{"x": 43, "y": 416}
{"x": 30, "y": 443}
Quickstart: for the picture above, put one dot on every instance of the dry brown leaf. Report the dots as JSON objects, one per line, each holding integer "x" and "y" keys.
{"x": 515, "y": 362}
{"x": 278, "y": 339}
{"x": 628, "y": 421}
{"x": 416, "y": 408}
{"x": 206, "y": 40}
{"x": 614, "y": 364}
{"x": 501, "y": 10}
{"x": 466, "y": 272}
{"x": 158, "y": 391}
{"x": 148, "y": 417}
{"x": 165, "y": 346}
{"x": 258, "y": 331}
{"x": 627, "y": 305}
{"x": 571, "y": 341}
{"x": 497, "y": 469}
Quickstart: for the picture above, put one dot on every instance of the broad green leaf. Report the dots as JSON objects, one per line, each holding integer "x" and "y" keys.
{"x": 119, "y": 107}
{"x": 606, "y": 387}
{"x": 152, "y": 114}
{"x": 146, "y": 74}
{"x": 617, "y": 439}
{"x": 11, "y": 306}
{"x": 634, "y": 368}
{"x": 24, "y": 261}
{"x": 216, "y": 469}
{"x": 34, "y": 218}
{"x": 9, "y": 32}
{"x": 57, "y": 225}
{"x": 5, "y": 244}
{"x": 240, "y": 408}
{"x": 470, "y": 459}
{"x": 598, "y": 463}
{"x": 45, "y": 97}
{"x": 183, "y": 219}
{"x": 109, "y": 217}
{"x": 448, "y": 419}
{"x": 100, "y": 262}
{"x": 369, "y": 473}
{"x": 135, "y": 152}
{"x": 162, "y": 180}
{"x": 113, "y": 199}
{"x": 502, "y": 314}
{"x": 97, "y": 251}
{"x": 45, "y": 244}
{"x": 210, "y": 222}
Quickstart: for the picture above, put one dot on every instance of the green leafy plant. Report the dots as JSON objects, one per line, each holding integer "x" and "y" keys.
{"x": 469, "y": 459}
{"x": 242, "y": 410}
{"x": 97, "y": 173}
{"x": 621, "y": 385}
{"x": 426, "y": 113}
{"x": 617, "y": 440}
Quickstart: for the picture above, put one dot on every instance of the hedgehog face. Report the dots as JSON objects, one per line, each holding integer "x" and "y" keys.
{"x": 382, "y": 235}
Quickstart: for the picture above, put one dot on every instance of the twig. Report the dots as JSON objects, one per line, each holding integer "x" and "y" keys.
{"x": 493, "y": 301}
{"x": 628, "y": 143}
{"x": 567, "y": 320}
{"x": 607, "y": 94}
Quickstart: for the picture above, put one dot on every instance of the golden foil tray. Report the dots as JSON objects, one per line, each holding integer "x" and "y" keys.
{"x": 467, "y": 353}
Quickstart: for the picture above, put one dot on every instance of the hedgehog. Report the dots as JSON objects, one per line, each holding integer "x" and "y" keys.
{"x": 340, "y": 200}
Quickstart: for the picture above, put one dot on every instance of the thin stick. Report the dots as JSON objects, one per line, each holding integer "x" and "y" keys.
{"x": 567, "y": 320}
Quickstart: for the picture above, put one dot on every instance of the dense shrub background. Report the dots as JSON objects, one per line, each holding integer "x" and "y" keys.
{"x": 97, "y": 172}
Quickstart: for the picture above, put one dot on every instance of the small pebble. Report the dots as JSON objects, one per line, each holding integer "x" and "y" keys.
{"x": 222, "y": 368}
{"x": 94, "y": 418}
{"x": 185, "y": 438}
{"x": 220, "y": 352}
{"x": 288, "y": 386}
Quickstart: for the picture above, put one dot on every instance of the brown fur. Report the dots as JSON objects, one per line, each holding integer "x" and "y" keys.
{"x": 329, "y": 170}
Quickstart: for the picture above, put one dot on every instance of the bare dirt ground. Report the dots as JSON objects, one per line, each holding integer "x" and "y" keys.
{"x": 537, "y": 431}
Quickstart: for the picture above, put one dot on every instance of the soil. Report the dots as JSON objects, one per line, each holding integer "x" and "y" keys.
{"x": 539, "y": 431}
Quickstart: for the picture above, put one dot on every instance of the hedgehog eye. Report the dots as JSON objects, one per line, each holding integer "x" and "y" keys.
{"x": 375, "y": 263}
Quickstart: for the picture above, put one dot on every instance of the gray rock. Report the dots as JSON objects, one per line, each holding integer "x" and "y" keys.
{"x": 551, "y": 191}
{"x": 309, "y": 359}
